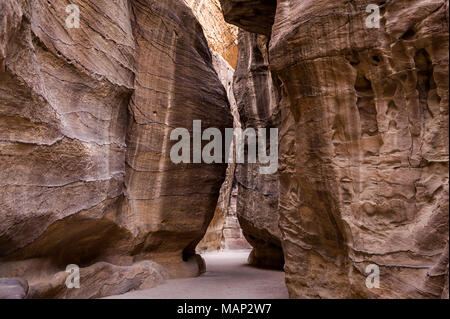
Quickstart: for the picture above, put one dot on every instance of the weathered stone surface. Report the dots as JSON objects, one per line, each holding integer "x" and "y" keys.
{"x": 364, "y": 176}
{"x": 63, "y": 114}
{"x": 13, "y": 288}
{"x": 257, "y": 102}
{"x": 363, "y": 146}
{"x": 175, "y": 84}
{"x": 221, "y": 36}
{"x": 224, "y": 232}
{"x": 86, "y": 114}
{"x": 114, "y": 280}
{"x": 85, "y": 117}
{"x": 214, "y": 236}
{"x": 233, "y": 237}
{"x": 255, "y": 16}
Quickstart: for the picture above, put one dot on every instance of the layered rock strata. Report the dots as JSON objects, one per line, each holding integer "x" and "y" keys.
{"x": 213, "y": 239}
{"x": 233, "y": 237}
{"x": 257, "y": 102}
{"x": 363, "y": 145}
{"x": 221, "y": 36}
{"x": 175, "y": 83}
{"x": 255, "y": 16}
{"x": 85, "y": 118}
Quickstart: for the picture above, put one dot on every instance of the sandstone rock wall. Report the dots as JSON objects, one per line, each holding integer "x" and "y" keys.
{"x": 213, "y": 239}
{"x": 175, "y": 83}
{"x": 221, "y": 36}
{"x": 233, "y": 236}
{"x": 257, "y": 103}
{"x": 214, "y": 236}
{"x": 224, "y": 231}
{"x": 85, "y": 116}
{"x": 255, "y": 16}
{"x": 63, "y": 114}
{"x": 363, "y": 145}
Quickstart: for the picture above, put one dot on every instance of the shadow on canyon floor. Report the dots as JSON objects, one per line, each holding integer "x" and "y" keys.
{"x": 227, "y": 276}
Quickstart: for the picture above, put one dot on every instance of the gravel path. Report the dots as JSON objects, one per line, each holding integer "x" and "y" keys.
{"x": 227, "y": 276}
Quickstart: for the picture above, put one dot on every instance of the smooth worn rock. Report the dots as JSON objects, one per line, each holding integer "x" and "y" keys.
{"x": 85, "y": 119}
{"x": 255, "y": 16}
{"x": 114, "y": 280}
{"x": 363, "y": 146}
{"x": 13, "y": 288}
{"x": 213, "y": 239}
{"x": 221, "y": 36}
{"x": 257, "y": 102}
{"x": 63, "y": 114}
{"x": 175, "y": 83}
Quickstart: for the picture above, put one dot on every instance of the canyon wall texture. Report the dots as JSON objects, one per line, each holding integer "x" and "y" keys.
{"x": 221, "y": 36}
{"x": 255, "y": 16}
{"x": 257, "y": 103}
{"x": 214, "y": 236}
{"x": 85, "y": 119}
{"x": 233, "y": 236}
{"x": 363, "y": 160}
{"x": 175, "y": 83}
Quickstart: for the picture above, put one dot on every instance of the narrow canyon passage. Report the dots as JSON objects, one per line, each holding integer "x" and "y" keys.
{"x": 227, "y": 276}
{"x": 136, "y": 135}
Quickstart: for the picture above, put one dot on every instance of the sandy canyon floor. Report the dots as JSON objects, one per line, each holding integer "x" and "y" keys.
{"x": 227, "y": 276}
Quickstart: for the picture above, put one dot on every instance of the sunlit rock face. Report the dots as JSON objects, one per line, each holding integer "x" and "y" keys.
{"x": 221, "y": 36}
{"x": 213, "y": 239}
{"x": 363, "y": 146}
{"x": 257, "y": 103}
{"x": 85, "y": 118}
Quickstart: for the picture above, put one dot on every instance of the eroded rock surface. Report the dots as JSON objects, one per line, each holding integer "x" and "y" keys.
{"x": 114, "y": 280}
{"x": 85, "y": 117}
{"x": 233, "y": 236}
{"x": 367, "y": 181}
{"x": 175, "y": 83}
{"x": 254, "y": 101}
{"x": 257, "y": 102}
{"x": 363, "y": 146}
{"x": 221, "y": 36}
{"x": 214, "y": 236}
{"x": 255, "y": 16}
{"x": 63, "y": 116}
{"x": 13, "y": 288}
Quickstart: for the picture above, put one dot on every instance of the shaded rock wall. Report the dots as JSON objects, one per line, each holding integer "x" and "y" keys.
{"x": 63, "y": 115}
{"x": 257, "y": 103}
{"x": 233, "y": 237}
{"x": 214, "y": 236}
{"x": 85, "y": 116}
{"x": 175, "y": 83}
{"x": 213, "y": 239}
{"x": 363, "y": 146}
{"x": 255, "y": 16}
